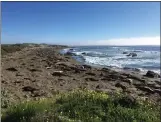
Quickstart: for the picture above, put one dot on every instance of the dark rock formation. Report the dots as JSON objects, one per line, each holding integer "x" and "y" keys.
{"x": 132, "y": 54}
{"x": 152, "y": 74}
{"x": 12, "y": 69}
{"x": 125, "y": 53}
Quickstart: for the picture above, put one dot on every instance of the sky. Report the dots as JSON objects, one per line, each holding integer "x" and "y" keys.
{"x": 81, "y": 23}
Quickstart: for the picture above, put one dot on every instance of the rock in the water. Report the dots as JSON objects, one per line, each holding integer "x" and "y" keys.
{"x": 132, "y": 54}
{"x": 152, "y": 74}
{"x": 11, "y": 69}
{"x": 83, "y": 53}
{"x": 71, "y": 49}
{"x": 71, "y": 54}
{"x": 125, "y": 53}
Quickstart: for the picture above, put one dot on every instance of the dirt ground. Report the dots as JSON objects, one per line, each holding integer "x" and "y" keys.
{"x": 36, "y": 72}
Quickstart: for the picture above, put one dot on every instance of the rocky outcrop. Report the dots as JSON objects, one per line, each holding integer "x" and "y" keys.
{"x": 91, "y": 79}
{"x": 146, "y": 89}
{"x": 152, "y": 74}
{"x": 29, "y": 89}
{"x": 132, "y": 54}
{"x": 71, "y": 54}
{"x": 121, "y": 85}
{"x": 58, "y": 73}
{"x": 84, "y": 53}
{"x": 125, "y": 53}
{"x": 12, "y": 69}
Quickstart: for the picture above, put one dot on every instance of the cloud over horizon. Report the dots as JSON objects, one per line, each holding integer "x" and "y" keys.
{"x": 124, "y": 41}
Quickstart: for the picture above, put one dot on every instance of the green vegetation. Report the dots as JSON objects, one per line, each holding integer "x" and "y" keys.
{"x": 10, "y": 48}
{"x": 83, "y": 106}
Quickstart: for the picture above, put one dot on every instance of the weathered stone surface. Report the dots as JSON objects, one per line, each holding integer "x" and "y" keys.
{"x": 146, "y": 89}
{"x": 58, "y": 73}
{"x": 12, "y": 69}
{"x": 125, "y": 53}
{"x": 132, "y": 54}
{"x": 91, "y": 79}
{"x": 29, "y": 89}
{"x": 130, "y": 81}
{"x": 157, "y": 91}
{"x": 123, "y": 86}
{"x": 152, "y": 74}
{"x": 90, "y": 73}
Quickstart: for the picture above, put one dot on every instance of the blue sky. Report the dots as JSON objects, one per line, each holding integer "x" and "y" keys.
{"x": 81, "y": 23}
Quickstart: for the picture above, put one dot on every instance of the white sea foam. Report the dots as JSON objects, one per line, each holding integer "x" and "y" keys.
{"x": 114, "y": 57}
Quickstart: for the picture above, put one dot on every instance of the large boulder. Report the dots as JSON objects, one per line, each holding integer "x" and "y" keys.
{"x": 152, "y": 74}
{"x": 132, "y": 54}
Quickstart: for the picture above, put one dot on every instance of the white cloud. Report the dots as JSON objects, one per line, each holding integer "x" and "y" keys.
{"x": 125, "y": 41}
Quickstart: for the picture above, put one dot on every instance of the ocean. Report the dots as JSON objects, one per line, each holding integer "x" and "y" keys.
{"x": 148, "y": 57}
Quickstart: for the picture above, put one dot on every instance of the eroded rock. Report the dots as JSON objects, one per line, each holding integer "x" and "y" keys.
{"x": 12, "y": 69}
{"x": 152, "y": 74}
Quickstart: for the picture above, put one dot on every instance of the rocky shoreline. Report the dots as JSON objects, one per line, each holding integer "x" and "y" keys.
{"x": 41, "y": 71}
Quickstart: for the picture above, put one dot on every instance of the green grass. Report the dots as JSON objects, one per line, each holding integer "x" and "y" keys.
{"x": 82, "y": 106}
{"x": 10, "y": 48}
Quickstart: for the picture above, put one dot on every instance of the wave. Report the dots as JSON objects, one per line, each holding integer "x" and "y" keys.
{"x": 114, "y": 57}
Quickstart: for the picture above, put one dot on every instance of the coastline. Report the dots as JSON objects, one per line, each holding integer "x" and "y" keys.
{"x": 39, "y": 72}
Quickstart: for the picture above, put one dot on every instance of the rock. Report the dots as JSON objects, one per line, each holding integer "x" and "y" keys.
{"x": 12, "y": 69}
{"x": 157, "y": 91}
{"x": 83, "y": 53}
{"x": 91, "y": 79}
{"x": 130, "y": 81}
{"x": 87, "y": 66}
{"x": 146, "y": 89}
{"x": 34, "y": 70}
{"x": 158, "y": 82}
{"x": 154, "y": 85}
{"x": 90, "y": 73}
{"x": 132, "y": 54}
{"x": 132, "y": 69}
{"x": 152, "y": 74}
{"x": 105, "y": 69}
{"x": 71, "y": 54}
{"x": 38, "y": 93}
{"x": 71, "y": 49}
{"x": 125, "y": 53}
{"x": 29, "y": 88}
{"x": 99, "y": 86}
{"x": 120, "y": 85}
{"x": 58, "y": 73}
{"x": 48, "y": 67}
